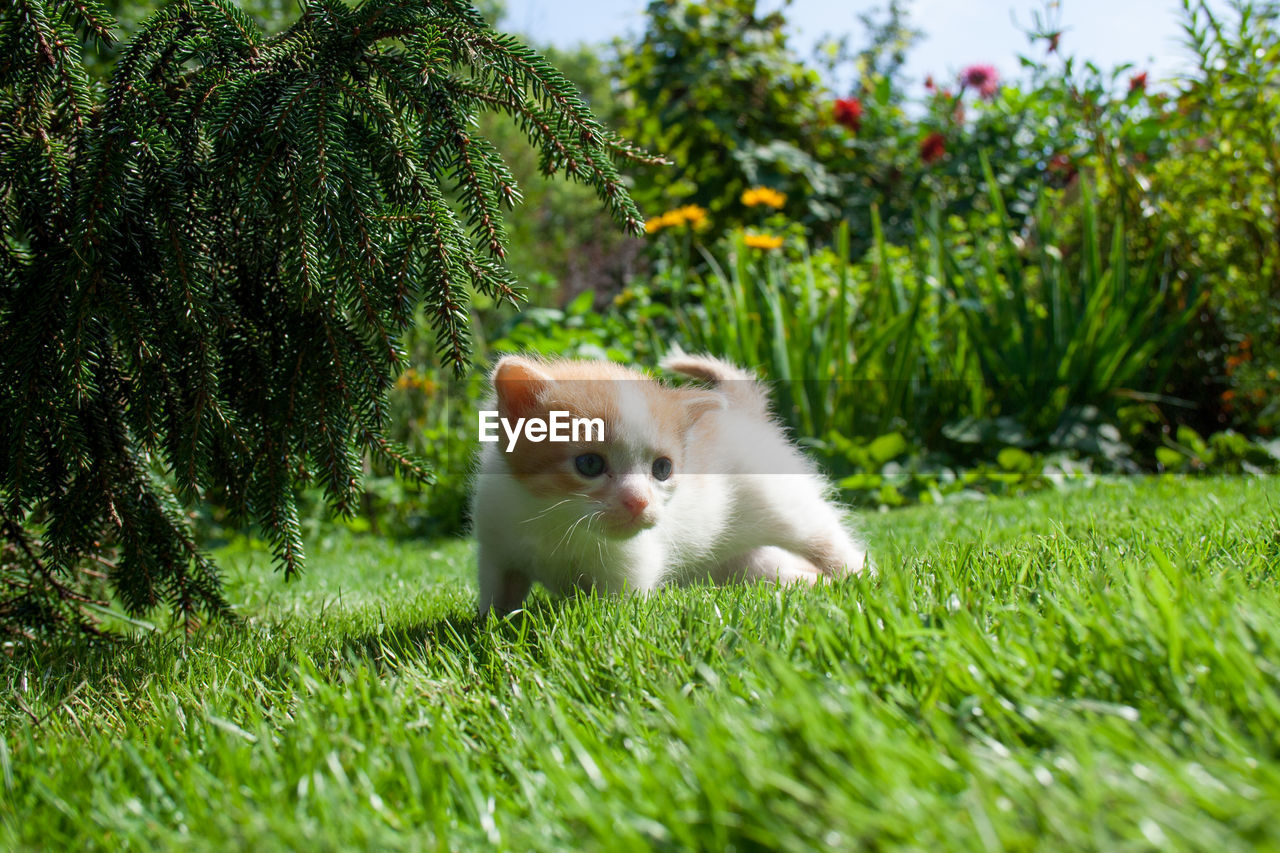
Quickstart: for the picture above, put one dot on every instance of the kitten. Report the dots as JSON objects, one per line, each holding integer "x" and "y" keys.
{"x": 687, "y": 484}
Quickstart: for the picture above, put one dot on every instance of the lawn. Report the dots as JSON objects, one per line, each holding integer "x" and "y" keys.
{"x": 1095, "y": 669}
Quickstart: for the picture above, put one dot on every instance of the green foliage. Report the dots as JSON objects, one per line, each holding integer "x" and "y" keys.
{"x": 1219, "y": 194}
{"x": 562, "y": 243}
{"x": 715, "y": 88}
{"x": 835, "y": 337}
{"x": 1092, "y": 670}
{"x": 1187, "y": 175}
{"x": 1013, "y": 291}
{"x": 889, "y": 473}
{"x": 1053, "y": 334}
{"x": 1189, "y": 170}
{"x": 1221, "y": 183}
{"x": 208, "y": 264}
{"x": 1224, "y": 452}
{"x": 950, "y": 336}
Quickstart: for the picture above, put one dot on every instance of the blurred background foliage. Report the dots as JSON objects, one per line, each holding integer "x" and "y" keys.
{"x": 959, "y": 286}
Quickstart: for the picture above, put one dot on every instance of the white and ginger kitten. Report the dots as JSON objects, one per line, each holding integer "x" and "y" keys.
{"x": 689, "y": 483}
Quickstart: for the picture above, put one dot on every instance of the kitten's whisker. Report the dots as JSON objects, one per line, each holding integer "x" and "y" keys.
{"x": 547, "y": 510}
{"x": 563, "y": 536}
{"x": 568, "y": 531}
{"x": 586, "y": 518}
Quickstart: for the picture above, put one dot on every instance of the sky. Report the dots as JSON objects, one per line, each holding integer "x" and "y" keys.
{"x": 1109, "y": 32}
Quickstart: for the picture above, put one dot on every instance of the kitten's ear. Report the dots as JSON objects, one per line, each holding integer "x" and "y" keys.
{"x": 698, "y": 403}
{"x": 519, "y": 383}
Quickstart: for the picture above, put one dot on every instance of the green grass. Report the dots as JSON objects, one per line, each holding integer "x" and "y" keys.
{"x": 1091, "y": 670}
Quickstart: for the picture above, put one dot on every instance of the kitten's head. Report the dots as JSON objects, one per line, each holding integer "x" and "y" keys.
{"x": 622, "y": 483}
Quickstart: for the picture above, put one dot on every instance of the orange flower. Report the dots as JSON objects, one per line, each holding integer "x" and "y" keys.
{"x": 412, "y": 379}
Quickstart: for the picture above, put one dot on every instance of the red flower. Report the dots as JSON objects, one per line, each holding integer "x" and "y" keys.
{"x": 933, "y": 147}
{"x": 1062, "y": 169}
{"x": 929, "y": 85}
{"x": 1138, "y": 82}
{"x": 984, "y": 78}
{"x": 849, "y": 113}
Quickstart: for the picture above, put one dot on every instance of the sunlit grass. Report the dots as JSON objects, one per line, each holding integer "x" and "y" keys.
{"x": 1089, "y": 670}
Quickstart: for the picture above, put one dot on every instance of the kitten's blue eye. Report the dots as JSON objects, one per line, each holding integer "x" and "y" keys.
{"x": 661, "y": 468}
{"x": 589, "y": 464}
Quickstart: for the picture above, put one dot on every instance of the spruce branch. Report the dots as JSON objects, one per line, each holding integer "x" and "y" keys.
{"x": 208, "y": 265}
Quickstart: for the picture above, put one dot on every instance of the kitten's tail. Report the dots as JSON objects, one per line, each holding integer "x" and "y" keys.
{"x": 741, "y": 387}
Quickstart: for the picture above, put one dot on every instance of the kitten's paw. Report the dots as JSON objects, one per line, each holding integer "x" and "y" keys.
{"x": 839, "y": 556}
{"x": 771, "y": 564}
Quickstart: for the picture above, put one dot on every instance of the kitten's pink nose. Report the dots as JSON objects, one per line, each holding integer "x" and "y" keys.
{"x": 635, "y": 504}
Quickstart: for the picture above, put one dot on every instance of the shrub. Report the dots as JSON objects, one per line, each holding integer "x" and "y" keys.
{"x": 714, "y": 87}
{"x": 1218, "y": 194}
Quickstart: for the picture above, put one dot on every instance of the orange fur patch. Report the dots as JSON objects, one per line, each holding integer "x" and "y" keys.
{"x": 533, "y": 389}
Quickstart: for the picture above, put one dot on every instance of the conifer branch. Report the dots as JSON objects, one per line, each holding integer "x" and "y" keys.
{"x": 207, "y": 267}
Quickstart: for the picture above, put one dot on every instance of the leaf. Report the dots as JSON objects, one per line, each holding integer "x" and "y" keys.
{"x": 887, "y": 447}
{"x": 861, "y": 482}
{"x": 1015, "y": 459}
{"x": 581, "y": 304}
{"x": 890, "y": 496}
{"x": 1188, "y": 437}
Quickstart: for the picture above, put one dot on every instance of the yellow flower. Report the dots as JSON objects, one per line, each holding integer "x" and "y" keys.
{"x": 764, "y": 195}
{"x": 672, "y": 219}
{"x": 694, "y": 215}
{"x": 762, "y": 241}
{"x": 691, "y": 215}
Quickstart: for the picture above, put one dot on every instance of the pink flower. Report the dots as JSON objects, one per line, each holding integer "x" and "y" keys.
{"x": 848, "y": 112}
{"x": 984, "y": 78}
